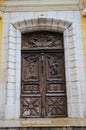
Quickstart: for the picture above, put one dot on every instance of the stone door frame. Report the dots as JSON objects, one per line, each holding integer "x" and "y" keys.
{"x": 72, "y": 68}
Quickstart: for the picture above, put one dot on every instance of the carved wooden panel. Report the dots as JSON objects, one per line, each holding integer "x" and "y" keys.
{"x": 30, "y": 90}
{"x": 42, "y": 39}
{"x": 55, "y": 72}
{"x": 31, "y": 106}
{"x": 31, "y": 87}
{"x": 55, "y": 65}
{"x": 43, "y": 90}
{"x": 55, "y": 106}
{"x": 55, "y": 88}
{"x": 30, "y": 67}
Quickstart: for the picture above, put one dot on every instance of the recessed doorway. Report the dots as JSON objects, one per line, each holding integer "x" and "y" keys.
{"x": 43, "y": 87}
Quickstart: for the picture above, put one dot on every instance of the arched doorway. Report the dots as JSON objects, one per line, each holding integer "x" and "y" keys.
{"x": 43, "y": 88}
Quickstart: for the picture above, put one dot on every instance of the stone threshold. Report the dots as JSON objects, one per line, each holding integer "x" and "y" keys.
{"x": 44, "y": 122}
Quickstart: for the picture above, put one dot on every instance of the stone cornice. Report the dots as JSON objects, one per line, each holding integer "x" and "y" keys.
{"x": 41, "y": 5}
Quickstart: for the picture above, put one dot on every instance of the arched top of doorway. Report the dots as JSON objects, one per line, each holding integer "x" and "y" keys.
{"x": 40, "y": 23}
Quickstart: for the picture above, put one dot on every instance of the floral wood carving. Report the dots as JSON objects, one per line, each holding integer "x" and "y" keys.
{"x": 42, "y": 39}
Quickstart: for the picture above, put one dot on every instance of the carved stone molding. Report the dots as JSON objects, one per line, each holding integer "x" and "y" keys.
{"x": 47, "y": 5}
{"x": 26, "y": 24}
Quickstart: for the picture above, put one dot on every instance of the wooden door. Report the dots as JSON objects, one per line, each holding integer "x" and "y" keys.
{"x": 43, "y": 90}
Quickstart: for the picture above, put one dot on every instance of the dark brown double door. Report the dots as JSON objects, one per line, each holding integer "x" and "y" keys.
{"x": 43, "y": 85}
{"x": 43, "y": 92}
